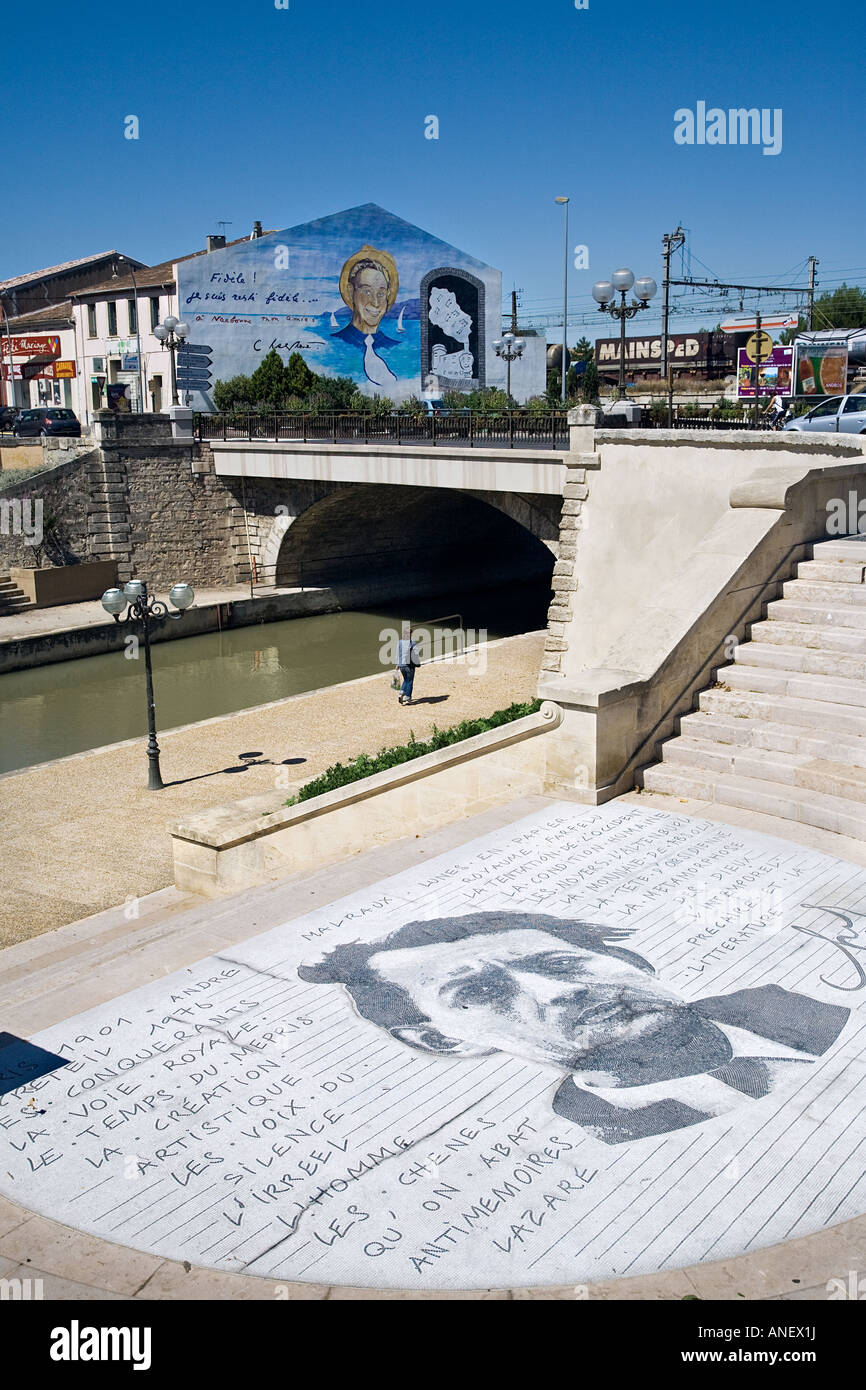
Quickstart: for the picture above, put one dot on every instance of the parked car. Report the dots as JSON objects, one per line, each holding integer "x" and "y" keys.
{"x": 839, "y": 414}
{"x": 8, "y": 415}
{"x": 47, "y": 420}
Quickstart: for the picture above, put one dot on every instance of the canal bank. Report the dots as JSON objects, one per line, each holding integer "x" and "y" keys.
{"x": 42, "y": 636}
{"x": 83, "y": 834}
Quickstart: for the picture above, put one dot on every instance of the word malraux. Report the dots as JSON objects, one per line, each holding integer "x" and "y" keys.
{"x": 737, "y": 126}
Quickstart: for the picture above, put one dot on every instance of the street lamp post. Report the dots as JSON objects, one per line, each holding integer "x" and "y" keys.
{"x": 509, "y": 348}
{"x": 142, "y": 608}
{"x": 172, "y": 334}
{"x": 604, "y": 292}
{"x": 564, "y": 202}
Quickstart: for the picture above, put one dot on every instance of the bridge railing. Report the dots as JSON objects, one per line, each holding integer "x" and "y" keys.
{"x": 514, "y": 430}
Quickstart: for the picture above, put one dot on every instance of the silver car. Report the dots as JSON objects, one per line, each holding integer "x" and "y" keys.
{"x": 839, "y": 414}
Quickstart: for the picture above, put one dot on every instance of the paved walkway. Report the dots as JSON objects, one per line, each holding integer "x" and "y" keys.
{"x": 83, "y": 833}
{"x": 80, "y": 966}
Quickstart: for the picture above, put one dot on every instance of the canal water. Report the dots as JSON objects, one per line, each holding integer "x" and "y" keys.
{"x": 70, "y": 706}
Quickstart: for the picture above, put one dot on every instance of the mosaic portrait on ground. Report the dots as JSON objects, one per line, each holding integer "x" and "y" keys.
{"x": 599, "y": 1042}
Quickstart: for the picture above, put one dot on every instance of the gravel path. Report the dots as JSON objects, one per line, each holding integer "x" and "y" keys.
{"x": 83, "y": 833}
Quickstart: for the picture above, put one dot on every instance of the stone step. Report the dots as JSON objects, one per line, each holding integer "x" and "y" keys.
{"x": 832, "y": 571}
{"x": 729, "y": 731}
{"x": 825, "y": 775}
{"x": 825, "y": 615}
{"x": 841, "y": 548}
{"x": 815, "y": 661}
{"x": 801, "y": 804}
{"x": 839, "y": 639}
{"x": 804, "y": 591}
{"x": 836, "y": 690}
{"x": 815, "y": 715}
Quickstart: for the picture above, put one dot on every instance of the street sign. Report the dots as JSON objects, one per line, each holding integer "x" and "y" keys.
{"x": 759, "y": 347}
{"x": 192, "y": 360}
{"x": 747, "y": 323}
{"x": 196, "y": 382}
{"x": 194, "y": 347}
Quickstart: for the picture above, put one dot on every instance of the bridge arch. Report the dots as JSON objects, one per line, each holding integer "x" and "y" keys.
{"x": 371, "y": 542}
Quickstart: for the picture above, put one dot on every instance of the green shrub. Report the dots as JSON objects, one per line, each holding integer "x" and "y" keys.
{"x": 342, "y": 774}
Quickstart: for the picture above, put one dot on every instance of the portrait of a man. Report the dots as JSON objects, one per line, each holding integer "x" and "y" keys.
{"x": 369, "y": 285}
{"x": 638, "y": 1060}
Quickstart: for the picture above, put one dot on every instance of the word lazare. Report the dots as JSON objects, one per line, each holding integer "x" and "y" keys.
{"x": 77, "y": 1343}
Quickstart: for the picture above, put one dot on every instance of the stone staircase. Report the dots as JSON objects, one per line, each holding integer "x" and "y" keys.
{"x": 12, "y": 599}
{"x": 783, "y": 731}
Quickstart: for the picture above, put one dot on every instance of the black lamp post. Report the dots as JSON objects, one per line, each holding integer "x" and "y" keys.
{"x": 509, "y": 348}
{"x": 604, "y": 292}
{"x": 141, "y": 608}
{"x": 172, "y": 334}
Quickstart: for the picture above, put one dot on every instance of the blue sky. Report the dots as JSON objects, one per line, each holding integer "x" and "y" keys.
{"x": 247, "y": 111}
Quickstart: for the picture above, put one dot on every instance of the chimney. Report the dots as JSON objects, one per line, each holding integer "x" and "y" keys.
{"x": 215, "y": 242}
{"x": 257, "y": 231}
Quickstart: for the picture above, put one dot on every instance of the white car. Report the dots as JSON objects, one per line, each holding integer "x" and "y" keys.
{"x": 839, "y": 414}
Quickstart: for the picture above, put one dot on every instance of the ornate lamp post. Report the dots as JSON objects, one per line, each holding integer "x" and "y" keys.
{"x": 509, "y": 348}
{"x": 141, "y": 608}
{"x": 604, "y": 292}
{"x": 171, "y": 333}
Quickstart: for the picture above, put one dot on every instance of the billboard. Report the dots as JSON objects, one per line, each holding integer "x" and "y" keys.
{"x": 775, "y": 376}
{"x": 685, "y": 350}
{"x": 822, "y": 368}
{"x": 361, "y": 294}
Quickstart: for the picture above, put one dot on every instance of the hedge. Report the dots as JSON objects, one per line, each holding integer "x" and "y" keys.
{"x": 342, "y": 774}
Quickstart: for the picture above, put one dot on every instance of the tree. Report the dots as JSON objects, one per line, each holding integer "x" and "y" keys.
{"x": 842, "y": 308}
{"x": 269, "y": 382}
{"x": 235, "y": 394}
{"x": 589, "y": 384}
{"x": 330, "y": 394}
{"x": 297, "y": 377}
{"x": 582, "y": 351}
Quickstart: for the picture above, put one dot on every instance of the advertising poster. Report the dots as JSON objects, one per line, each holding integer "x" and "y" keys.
{"x": 775, "y": 376}
{"x": 822, "y": 368}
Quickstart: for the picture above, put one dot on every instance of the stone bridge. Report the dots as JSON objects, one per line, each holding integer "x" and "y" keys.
{"x": 378, "y": 521}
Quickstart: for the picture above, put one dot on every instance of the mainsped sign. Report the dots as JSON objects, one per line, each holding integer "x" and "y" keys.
{"x": 362, "y": 294}
{"x": 699, "y": 350}
{"x": 598, "y": 1042}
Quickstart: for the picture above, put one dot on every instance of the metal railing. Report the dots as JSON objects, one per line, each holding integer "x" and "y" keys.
{"x": 513, "y": 430}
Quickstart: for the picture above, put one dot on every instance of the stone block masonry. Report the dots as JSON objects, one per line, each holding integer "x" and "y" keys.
{"x": 564, "y": 583}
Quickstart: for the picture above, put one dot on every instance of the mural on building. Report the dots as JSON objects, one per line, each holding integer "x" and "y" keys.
{"x": 361, "y": 294}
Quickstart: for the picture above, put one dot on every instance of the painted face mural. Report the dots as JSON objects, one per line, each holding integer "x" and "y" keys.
{"x": 641, "y": 1060}
{"x": 369, "y": 284}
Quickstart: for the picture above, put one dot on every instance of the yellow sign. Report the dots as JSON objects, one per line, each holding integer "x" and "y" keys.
{"x": 63, "y": 369}
{"x": 759, "y": 347}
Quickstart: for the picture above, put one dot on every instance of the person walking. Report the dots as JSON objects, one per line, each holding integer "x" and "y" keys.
{"x": 407, "y": 660}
